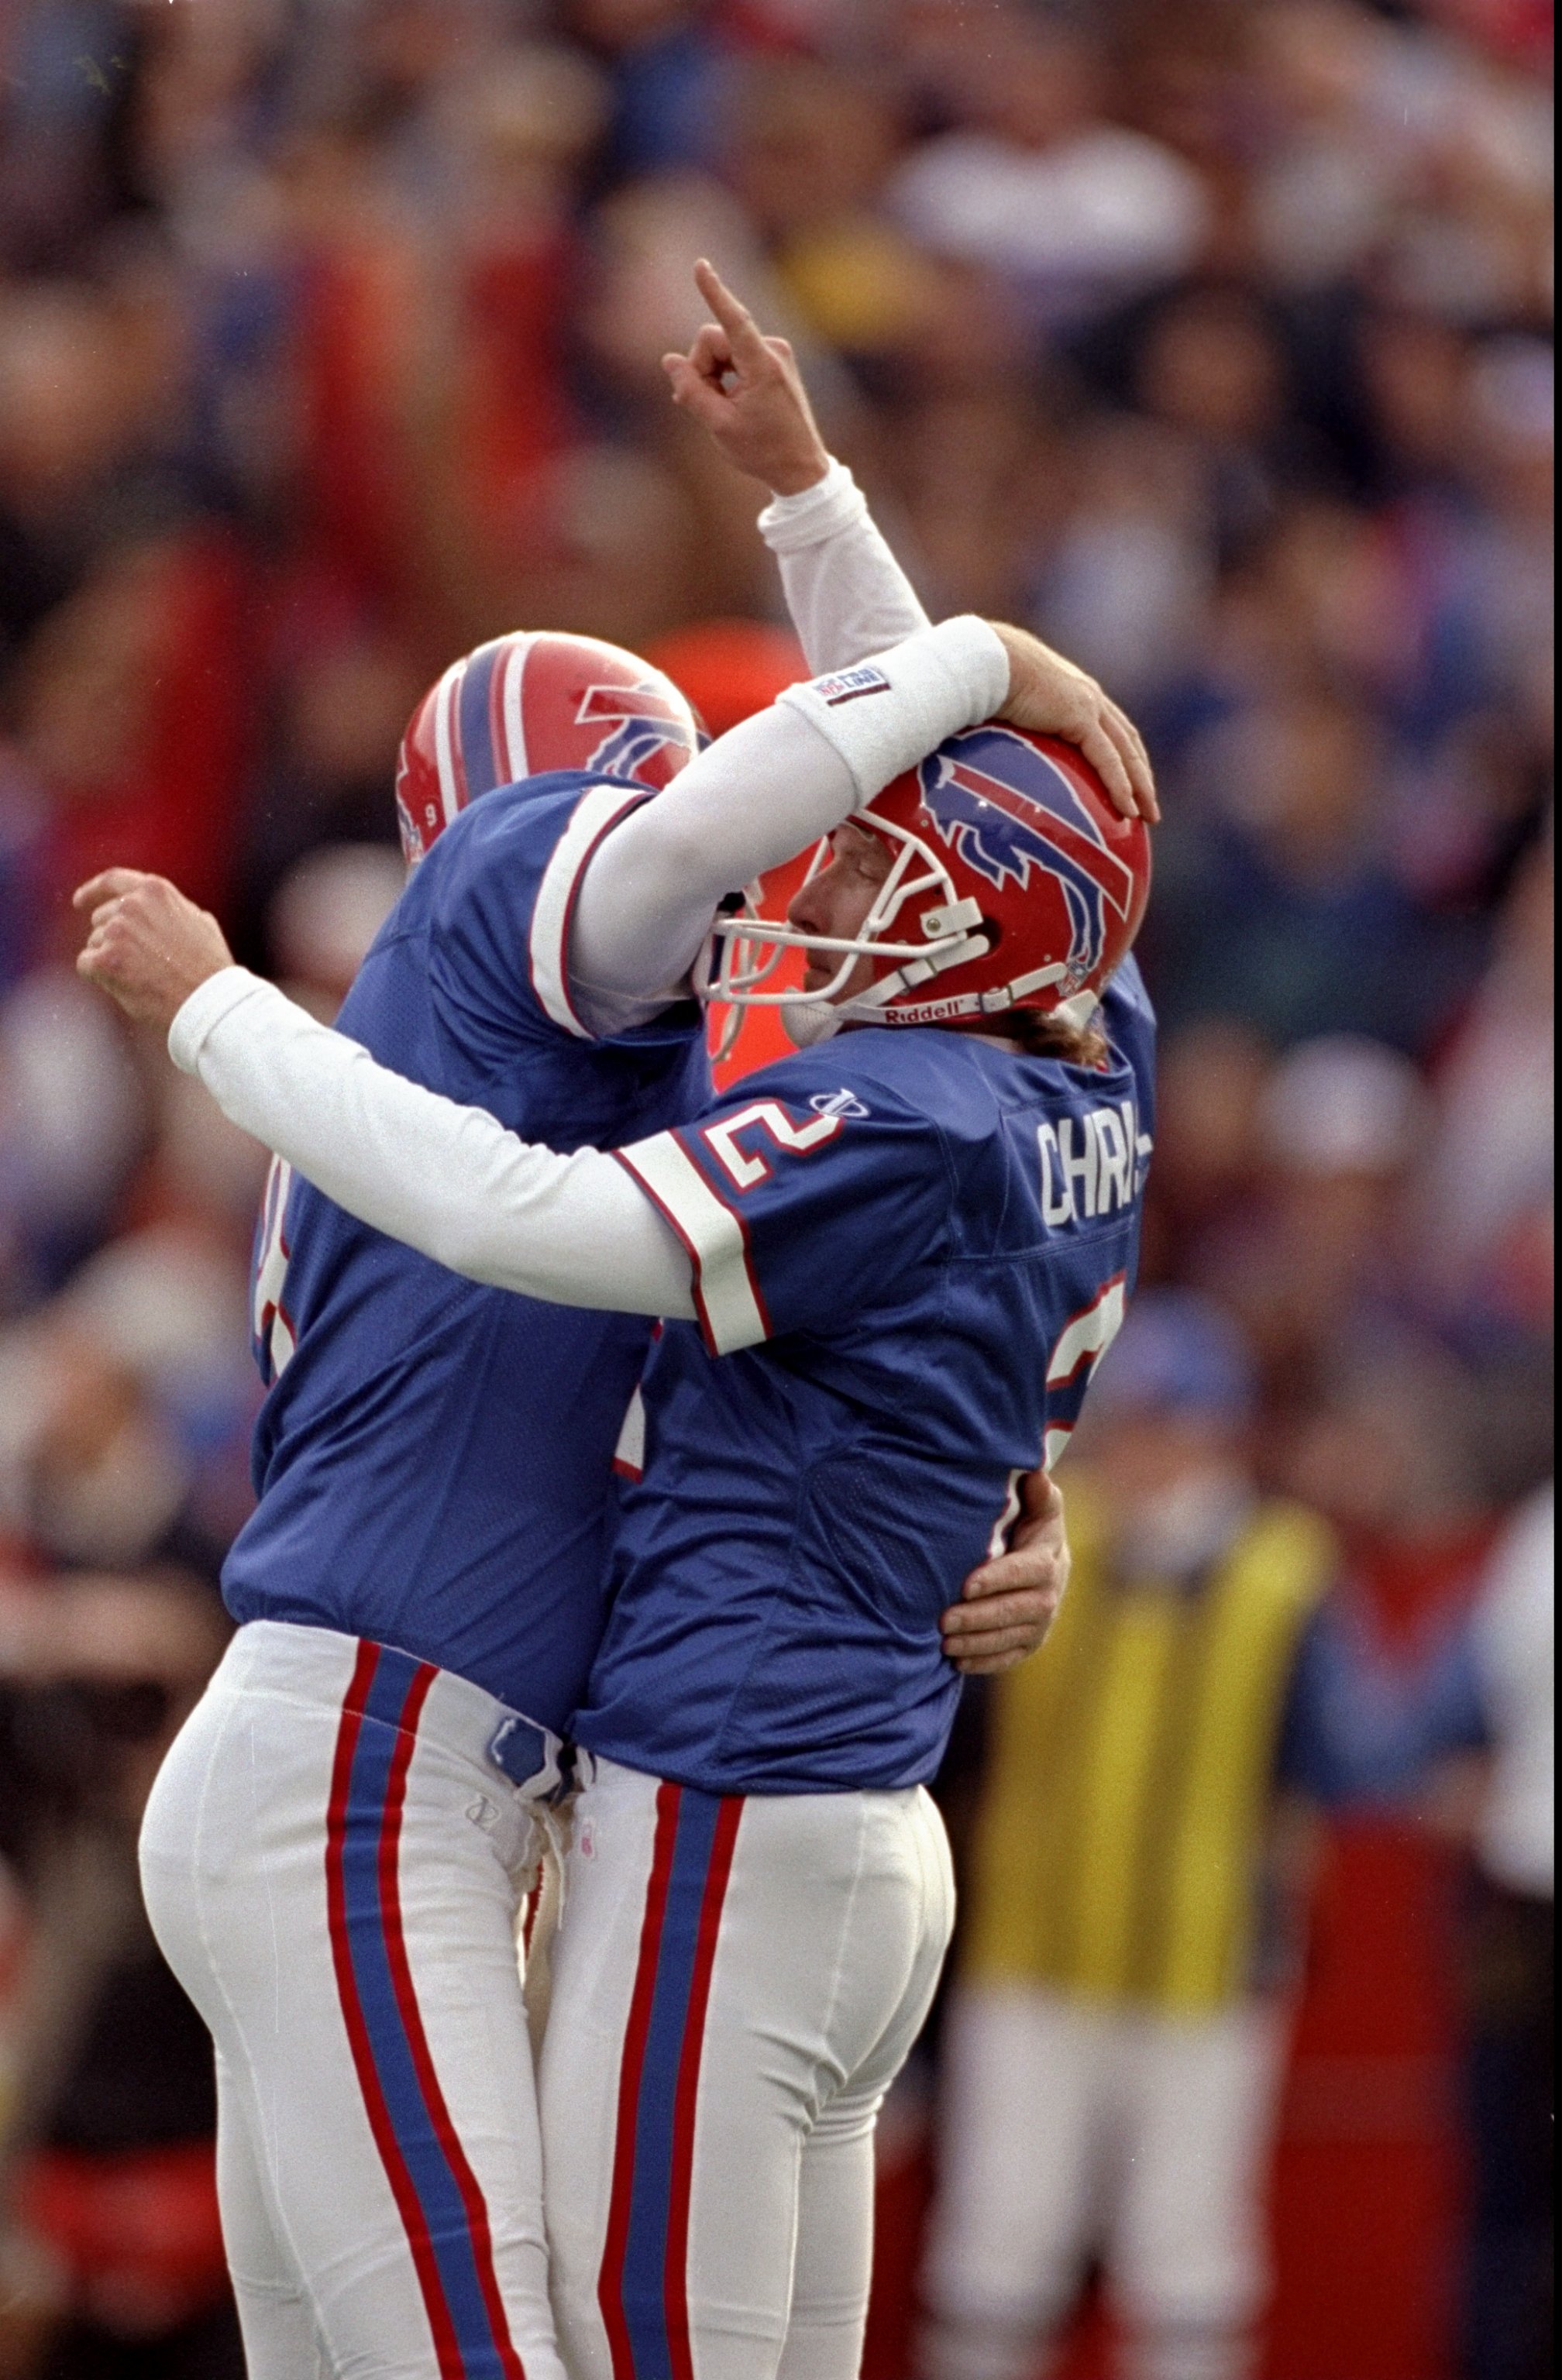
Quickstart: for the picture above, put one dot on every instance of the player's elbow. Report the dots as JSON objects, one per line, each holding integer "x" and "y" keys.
{"x": 463, "y": 1242}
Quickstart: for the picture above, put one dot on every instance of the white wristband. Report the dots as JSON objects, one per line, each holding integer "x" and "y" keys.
{"x": 887, "y": 713}
{"x": 206, "y": 1007}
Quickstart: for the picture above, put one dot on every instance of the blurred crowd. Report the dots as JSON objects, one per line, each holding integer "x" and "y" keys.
{"x": 1212, "y": 338}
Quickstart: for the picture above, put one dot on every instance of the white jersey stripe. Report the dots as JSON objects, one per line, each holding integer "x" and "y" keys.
{"x": 629, "y": 1455}
{"x": 514, "y": 666}
{"x": 1089, "y": 1333}
{"x": 598, "y": 810}
{"x": 444, "y": 723}
{"x": 725, "y": 1295}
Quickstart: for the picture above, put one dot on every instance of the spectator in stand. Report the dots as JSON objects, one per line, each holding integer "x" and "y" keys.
{"x": 1308, "y": 1260}
{"x": 1482, "y": 1227}
{"x": 809, "y": 150}
{"x": 1279, "y": 905}
{"x": 1509, "y": 1978}
{"x": 1486, "y": 1685}
{"x": 1032, "y": 184}
{"x": 1118, "y": 2029}
{"x": 107, "y": 2145}
{"x": 666, "y": 58}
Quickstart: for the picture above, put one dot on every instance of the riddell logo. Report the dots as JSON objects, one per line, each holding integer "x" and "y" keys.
{"x": 929, "y": 1012}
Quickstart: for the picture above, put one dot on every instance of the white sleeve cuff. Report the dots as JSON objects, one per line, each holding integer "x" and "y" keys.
{"x": 789, "y": 523}
{"x": 727, "y": 1297}
{"x": 943, "y": 679}
{"x": 204, "y": 1010}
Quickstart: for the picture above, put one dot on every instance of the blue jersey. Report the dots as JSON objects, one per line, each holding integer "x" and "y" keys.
{"x": 915, "y": 1245}
{"x": 433, "y": 1461}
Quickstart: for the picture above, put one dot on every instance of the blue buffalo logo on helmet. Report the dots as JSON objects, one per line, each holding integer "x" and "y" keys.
{"x": 641, "y": 720}
{"x": 1010, "y": 811}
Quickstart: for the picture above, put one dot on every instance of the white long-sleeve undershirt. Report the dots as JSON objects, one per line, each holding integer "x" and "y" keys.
{"x": 847, "y": 593}
{"x": 450, "y": 1181}
{"x": 447, "y": 1180}
{"x": 776, "y": 783}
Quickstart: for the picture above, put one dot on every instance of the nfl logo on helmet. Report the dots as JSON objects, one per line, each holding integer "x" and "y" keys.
{"x": 1010, "y": 811}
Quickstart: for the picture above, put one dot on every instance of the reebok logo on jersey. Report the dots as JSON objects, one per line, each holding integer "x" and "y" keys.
{"x": 837, "y": 1103}
{"x": 846, "y": 686}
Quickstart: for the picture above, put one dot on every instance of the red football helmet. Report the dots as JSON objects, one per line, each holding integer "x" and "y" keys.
{"x": 527, "y": 703}
{"x": 1013, "y": 883}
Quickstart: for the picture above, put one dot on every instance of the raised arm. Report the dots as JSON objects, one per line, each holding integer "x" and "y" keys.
{"x": 846, "y": 592}
{"x": 844, "y": 588}
{"x": 779, "y": 782}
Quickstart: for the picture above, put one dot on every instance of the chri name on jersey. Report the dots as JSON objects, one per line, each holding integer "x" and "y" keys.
{"x": 1091, "y": 1165}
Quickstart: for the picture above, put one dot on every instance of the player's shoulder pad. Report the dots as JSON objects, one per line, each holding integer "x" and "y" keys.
{"x": 514, "y": 825}
{"x": 954, "y": 1082}
{"x": 842, "y": 1077}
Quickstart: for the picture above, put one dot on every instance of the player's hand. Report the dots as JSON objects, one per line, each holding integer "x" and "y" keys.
{"x": 148, "y": 947}
{"x": 1052, "y": 697}
{"x": 1007, "y": 1605}
{"x": 747, "y": 390}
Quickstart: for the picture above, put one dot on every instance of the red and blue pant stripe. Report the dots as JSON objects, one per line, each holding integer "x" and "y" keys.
{"x": 642, "y": 2286}
{"x": 437, "y": 2195}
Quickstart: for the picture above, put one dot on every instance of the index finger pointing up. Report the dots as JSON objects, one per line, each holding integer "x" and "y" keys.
{"x": 748, "y": 346}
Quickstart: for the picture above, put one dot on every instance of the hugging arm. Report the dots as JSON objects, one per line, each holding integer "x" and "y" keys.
{"x": 577, "y": 1231}
{"x": 447, "y": 1180}
{"x": 848, "y": 595}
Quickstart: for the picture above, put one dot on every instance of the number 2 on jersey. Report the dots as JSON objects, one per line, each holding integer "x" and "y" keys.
{"x": 269, "y": 1318}
{"x": 744, "y": 1168}
{"x": 1078, "y": 1348}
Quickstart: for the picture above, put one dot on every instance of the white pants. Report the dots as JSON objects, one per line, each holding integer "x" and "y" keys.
{"x": 736, "y": 1981}
{"x": 333, "y": 1866}
{"x": 1069, "y": 2131}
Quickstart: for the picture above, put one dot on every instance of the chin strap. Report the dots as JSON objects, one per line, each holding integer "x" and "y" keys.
{"x": 809, "y": 1022}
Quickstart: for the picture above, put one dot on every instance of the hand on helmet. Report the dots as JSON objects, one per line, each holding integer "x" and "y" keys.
{"x": 148, "y": 947}
{"x": 747, "y": 390}
{"x": 1052, "y": 697}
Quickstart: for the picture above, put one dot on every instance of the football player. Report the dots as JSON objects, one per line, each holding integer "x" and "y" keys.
{"x": 888, "y": 1267}
{"x": 334, "y": 1851}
